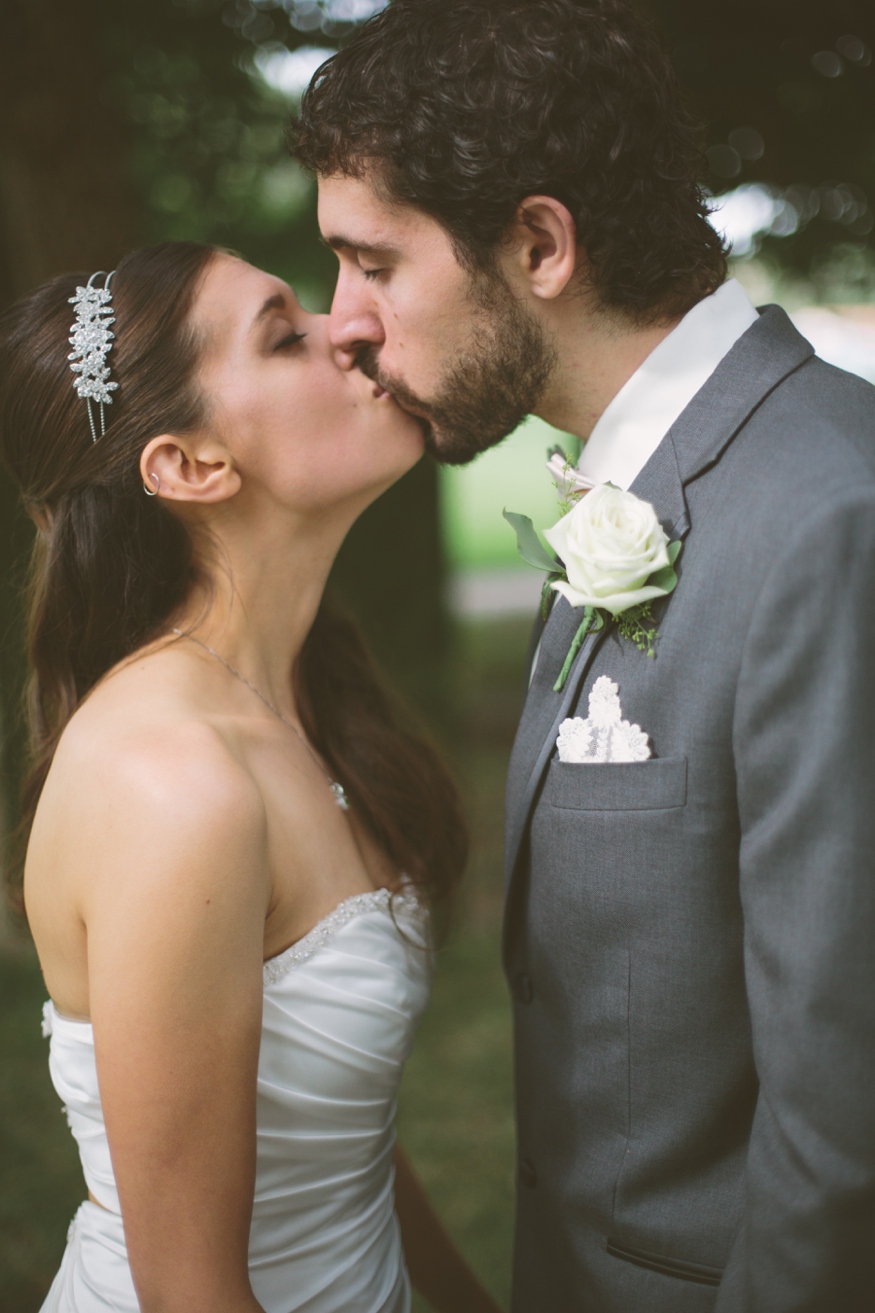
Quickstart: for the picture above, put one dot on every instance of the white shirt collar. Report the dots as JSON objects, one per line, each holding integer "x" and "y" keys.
{"x": 647, "y": 405}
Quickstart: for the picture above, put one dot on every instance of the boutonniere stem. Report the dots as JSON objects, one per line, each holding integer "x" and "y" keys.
{"x": 585, "y": 627}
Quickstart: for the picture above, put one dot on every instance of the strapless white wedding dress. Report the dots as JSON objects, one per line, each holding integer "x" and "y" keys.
{"x": 340, "y": 1010}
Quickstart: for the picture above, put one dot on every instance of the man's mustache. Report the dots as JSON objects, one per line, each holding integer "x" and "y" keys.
{"x": 367, "y": 361}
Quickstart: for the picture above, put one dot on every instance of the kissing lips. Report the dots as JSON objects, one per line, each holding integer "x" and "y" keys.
{"x": 366, "y": 362}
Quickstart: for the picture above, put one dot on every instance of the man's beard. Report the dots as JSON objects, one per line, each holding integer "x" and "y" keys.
{"x": 489, "y": 389}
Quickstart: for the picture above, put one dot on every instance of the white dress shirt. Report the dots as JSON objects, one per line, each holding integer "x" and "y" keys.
{"x": 643, "y": 411}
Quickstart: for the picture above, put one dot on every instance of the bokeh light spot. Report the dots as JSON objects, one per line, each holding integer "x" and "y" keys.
{"x": 827, "y": 63}
{"x": 854, "y": 50}
{"x": 725, "y": 161}
{"x": 290, "y": 71}
{"x": 747, "y": 142}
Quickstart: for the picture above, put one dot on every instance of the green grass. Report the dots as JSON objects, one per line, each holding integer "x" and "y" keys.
{"x": 456, "y": 1105}
{"x": 455, "y": 1116}
{"x": 41, "y": 1185}
{"x": 455, "y": 1108}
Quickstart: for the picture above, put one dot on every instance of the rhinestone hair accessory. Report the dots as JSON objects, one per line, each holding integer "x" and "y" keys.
{"x": 91, "y": 340}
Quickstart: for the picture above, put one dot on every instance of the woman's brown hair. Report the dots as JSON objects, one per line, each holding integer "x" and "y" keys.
{"x": 111, "y": 566}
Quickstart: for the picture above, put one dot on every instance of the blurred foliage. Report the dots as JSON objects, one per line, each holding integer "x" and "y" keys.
{"x": 205, "y": 132}
{"x": 787, "y": 88}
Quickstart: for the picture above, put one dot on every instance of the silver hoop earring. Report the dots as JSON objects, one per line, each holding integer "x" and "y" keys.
{"x": 148, "y": 491}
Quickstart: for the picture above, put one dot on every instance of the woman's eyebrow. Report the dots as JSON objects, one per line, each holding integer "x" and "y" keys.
{"x": 275, "y": 302}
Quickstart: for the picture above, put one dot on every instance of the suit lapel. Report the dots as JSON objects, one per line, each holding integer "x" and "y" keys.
{"x": 766, "y": 354}
{"x": 760, "y": 361}
{"x": 544, "y": 711}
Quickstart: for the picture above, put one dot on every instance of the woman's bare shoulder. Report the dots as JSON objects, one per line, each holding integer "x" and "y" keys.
{"x": 140, "y": 758}
{"x": 149, "y": 845}
{"x": 148, "y": 718}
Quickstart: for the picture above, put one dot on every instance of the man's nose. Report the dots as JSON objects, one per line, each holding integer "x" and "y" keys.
{"x": 353, "y": 323}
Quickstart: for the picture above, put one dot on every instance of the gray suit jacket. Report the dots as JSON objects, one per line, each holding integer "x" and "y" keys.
{"x": 690, "y": 940}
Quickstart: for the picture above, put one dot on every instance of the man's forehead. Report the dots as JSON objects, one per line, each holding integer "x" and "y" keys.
{"x": 354, "y": 215}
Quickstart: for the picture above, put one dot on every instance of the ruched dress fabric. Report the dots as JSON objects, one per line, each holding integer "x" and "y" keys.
{"x": 340, "y": 1010}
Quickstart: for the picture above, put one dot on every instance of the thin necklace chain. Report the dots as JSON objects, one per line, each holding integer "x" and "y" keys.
{"x": 336, "y": 788}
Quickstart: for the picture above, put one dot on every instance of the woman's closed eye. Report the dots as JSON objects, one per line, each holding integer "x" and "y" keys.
{"x": 290, "y": 339}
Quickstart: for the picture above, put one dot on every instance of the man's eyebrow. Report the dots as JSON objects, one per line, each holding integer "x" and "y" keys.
{"x": 275, "y": 302}
{"x": 338, "y": 242}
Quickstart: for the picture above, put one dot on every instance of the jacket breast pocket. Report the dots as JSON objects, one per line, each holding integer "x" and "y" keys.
{"x": 654, "y": 785}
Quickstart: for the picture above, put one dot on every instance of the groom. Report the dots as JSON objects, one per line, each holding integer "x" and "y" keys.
{"x": 511, "y": 190}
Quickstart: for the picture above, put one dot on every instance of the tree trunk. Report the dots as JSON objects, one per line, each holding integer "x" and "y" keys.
{"x": 390, "y": 576}
{"x": 64, "y": 204}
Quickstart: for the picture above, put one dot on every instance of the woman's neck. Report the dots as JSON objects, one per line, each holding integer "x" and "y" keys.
{"x": 263, "y": 587}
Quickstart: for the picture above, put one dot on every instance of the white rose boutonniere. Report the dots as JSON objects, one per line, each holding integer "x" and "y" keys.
{"x": 610, "y": 544}
{"x": 615, "y": 559}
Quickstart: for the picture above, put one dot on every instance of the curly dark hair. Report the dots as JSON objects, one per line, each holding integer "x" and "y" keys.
{"x": 468, "y": 106}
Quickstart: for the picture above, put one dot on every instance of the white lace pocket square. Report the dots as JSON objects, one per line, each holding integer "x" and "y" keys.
{"x": 604, "y": 735}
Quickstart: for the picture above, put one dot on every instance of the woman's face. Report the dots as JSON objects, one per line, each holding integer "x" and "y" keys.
{"x": 312, "y": 435}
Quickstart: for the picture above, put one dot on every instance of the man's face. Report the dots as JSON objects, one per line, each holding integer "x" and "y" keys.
{"x": 458, "y": 351}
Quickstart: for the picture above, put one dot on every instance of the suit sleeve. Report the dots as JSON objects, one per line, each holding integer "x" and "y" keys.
{"x": 804, "y": 744}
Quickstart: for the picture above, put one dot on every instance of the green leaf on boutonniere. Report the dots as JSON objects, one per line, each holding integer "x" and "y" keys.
{"x": 666, "y": 578}
{"x": 529, "y": 544}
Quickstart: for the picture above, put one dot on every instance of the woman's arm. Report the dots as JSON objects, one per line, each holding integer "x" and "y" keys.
{"x": 437, "y": 1269}
{"x": 174, "y": 905}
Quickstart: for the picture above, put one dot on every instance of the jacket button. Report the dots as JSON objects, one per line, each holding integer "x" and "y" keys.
{"x": 525, "y": 991}
{"x": 528, "y": 1175}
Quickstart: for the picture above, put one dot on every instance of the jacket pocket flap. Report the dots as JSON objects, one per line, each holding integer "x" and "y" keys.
{"x": 700, "y": 1273}
{"x": 618, "y": 785}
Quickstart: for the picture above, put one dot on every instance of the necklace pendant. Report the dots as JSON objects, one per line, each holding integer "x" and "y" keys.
{"x": 340, "y": 796}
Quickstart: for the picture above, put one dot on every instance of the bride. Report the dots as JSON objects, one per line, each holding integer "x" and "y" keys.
{"x": 232, "y": 848}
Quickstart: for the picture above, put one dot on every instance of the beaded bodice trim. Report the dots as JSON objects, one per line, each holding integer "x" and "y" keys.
{"x": 357, "y": 905}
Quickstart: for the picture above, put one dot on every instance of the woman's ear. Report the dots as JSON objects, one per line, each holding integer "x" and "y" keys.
{"x": 189, "y": 470}
{"x": 544, "y": 244}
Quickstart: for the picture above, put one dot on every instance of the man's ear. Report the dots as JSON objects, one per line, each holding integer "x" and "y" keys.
{"x": 544, "y": 245}
{"x": 189, "y": 470}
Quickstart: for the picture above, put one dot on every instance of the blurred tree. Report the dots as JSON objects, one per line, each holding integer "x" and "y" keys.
{"x": 64, "y": 204}
{"x": 788, "y": 90}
